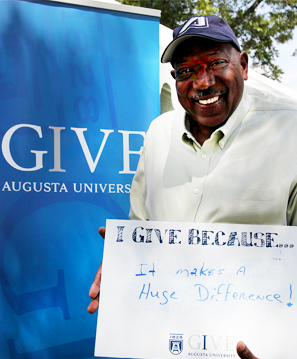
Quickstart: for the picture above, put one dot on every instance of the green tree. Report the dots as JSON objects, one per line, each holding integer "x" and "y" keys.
{"x": 260, "y": 25}
{"x": 172, "y": 12}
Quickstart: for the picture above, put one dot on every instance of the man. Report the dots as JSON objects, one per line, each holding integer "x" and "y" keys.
{"x": 229, "y": 157}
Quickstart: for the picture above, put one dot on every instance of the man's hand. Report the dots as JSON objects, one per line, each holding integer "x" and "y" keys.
{"x": 244, "y": 352}
{"x": 95, "y": 287}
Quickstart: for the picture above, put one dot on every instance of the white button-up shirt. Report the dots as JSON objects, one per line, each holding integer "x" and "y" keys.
{"x": 246, "y": 172}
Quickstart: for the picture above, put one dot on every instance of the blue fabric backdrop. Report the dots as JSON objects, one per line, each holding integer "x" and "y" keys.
{"x": 78, "y": 89}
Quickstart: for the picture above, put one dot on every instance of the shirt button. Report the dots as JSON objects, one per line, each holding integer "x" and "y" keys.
{"x": 196, "y": 190}
{"x": 203, "y": 156}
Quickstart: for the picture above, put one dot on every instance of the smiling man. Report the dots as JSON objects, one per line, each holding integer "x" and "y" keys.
{"x": 230, "y": 156}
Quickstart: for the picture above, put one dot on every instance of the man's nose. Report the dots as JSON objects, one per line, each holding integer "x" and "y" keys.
{"x": 203, "y": 80}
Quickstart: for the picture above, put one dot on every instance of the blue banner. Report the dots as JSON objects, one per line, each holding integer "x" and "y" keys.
{"x": 78, "y": 89}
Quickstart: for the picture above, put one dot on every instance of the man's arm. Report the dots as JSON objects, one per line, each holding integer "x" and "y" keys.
{"x": 95, "y": 287}
{"x": 137, "y": 212}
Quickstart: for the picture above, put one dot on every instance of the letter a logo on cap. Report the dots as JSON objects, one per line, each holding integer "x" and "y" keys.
{"x": 197, "y": 21}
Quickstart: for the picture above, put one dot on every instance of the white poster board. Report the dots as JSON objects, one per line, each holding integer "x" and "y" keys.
{"x": 191, "y": 289}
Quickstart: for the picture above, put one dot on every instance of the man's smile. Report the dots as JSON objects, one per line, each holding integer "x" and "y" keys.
{"x": 207, "y": 97}
{"x": 209, "y": 101}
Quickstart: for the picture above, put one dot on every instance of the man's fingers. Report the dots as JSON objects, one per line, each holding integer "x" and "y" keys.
{"x": 94, "y": 292}
{"x": 101, "y": 231}
{"x": 93, "y": 306}
{"x": 244, "y": 352}
{"x": 95, "y": 287}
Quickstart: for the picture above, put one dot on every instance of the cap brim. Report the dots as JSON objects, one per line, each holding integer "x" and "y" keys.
{"x": 168, "y": 52}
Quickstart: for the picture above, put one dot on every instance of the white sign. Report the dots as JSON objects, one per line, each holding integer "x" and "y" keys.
{"x": 191, "y": 290}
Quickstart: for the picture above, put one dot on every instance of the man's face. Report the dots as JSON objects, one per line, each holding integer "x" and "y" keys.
{"x": 209, "y": 80}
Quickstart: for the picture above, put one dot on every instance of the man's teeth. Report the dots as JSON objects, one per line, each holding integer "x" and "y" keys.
{"x": 208, "y": 101}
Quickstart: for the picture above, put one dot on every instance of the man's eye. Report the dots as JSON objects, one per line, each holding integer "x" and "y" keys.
{"x": 185, "y": 72}
{"x": 217, "y": 64}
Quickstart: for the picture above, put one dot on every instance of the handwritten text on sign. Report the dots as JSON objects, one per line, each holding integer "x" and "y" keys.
{"x": 166, "y": 287}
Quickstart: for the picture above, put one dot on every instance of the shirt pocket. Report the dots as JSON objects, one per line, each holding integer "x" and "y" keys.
{"x": 252, "y": 206}
{"x": 249, "y": 194}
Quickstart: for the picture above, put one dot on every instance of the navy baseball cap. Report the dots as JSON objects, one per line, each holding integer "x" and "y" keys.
{"x": 209, "y": 27}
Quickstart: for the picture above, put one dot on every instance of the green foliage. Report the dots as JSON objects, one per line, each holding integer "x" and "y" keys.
{"x": 172, "y": 12}
{"x": 259, "y": 24}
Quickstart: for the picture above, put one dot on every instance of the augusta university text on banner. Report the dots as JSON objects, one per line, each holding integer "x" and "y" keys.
{"x": 79, "y": 86}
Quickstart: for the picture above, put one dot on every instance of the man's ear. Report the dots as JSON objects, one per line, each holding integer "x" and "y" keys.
{"x": 173, "y": 74}
{"x": 244, "y": 61}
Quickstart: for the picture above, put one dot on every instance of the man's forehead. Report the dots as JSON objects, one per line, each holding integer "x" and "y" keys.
{"x": 199, "y": 47}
